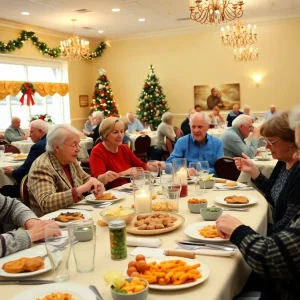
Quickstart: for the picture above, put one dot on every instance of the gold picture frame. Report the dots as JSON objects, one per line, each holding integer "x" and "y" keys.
{"x": 83, "y": 100}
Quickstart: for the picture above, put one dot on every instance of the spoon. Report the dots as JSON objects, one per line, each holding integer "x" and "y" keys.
{"x": 96, "y": 292}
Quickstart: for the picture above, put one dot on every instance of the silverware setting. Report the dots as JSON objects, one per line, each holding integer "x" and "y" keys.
{"x": 246, "y": 188}
{"x": 25, "y": 281}
{"x": 235, "y": 209}
{"x": 102, "y": 205}
{"x": 96, "y": 292}
{"x": 191, "y": 245}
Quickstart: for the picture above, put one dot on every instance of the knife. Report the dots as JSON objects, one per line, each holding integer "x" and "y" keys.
{"x": 25, "y": 281}
{"x": 208, "y": 245}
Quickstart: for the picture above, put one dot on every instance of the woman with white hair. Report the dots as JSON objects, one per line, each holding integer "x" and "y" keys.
{"x": 164, "y": 130}
{"x": 56, "y": 180}
{"x": 274, "y": 259}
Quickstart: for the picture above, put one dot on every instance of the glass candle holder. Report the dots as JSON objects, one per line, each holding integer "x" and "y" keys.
{"x": 142, "y": 196}
{"x": 180, "y": 171}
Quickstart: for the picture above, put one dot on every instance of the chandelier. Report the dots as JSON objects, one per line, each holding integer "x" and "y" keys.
{"x": 245, "y": 54}
{"x": 75, "y": 48}
{"x": 215, "y": 11}
{"x": 238, "y": 35}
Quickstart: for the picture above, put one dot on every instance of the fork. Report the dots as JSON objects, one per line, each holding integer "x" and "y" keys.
{"x": 102, "y": 205}
{"x": 214, "y": 247}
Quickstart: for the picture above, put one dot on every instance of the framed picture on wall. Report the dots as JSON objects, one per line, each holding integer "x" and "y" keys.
{"x": 83, "y": 100}
{"x": 222, "y": 95}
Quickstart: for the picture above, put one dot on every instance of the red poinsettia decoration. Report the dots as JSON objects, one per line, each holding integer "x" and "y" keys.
{"x": 28, "y": 90}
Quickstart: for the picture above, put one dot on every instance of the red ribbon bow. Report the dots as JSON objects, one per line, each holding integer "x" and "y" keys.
{"x": 29, "y": 94}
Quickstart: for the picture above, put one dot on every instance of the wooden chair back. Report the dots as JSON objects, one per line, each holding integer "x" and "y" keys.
{"x": 225, "y": 168}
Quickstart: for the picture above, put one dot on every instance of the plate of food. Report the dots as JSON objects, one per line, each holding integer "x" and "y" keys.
{"x": 236, "y": 200}
{"x": 194, "y": 275}
{"x": 66, "y": 216}
{"x": 204, "y": 231}
{"x": 154, "y": 223}
{"x": 70, "y": 291}
{"x": 19, "y": 156}
{"x": 227, "y": 185}
{"x": 25, "y": 263}
{"x": 108, "y": 196}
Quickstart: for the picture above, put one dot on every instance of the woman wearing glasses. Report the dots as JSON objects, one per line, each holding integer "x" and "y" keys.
{"x": 282, "y": 189}
{"x": 55, "y": 179}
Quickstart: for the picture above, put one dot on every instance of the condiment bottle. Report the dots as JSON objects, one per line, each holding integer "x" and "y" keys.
{"x": 117, "y": 234}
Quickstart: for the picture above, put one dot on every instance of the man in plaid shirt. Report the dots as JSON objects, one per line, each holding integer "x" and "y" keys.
{"x": 275, "y": 258}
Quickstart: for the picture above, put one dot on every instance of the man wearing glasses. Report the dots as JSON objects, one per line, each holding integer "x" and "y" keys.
{"x": 234, "y": 138}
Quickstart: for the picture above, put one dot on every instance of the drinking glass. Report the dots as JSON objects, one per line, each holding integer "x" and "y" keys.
{"x": 153, "y": 169}
{"x": 2, "y": 149}
{"x": 180, "y": 171}
{"x": 59, "y": 250}
{"x": 204, "y": 172}
{"x": 166, "y": 175}
{"x": 195, "y": 172}
{"x": 171, "y": 194}
{"x": 137, "y": 177}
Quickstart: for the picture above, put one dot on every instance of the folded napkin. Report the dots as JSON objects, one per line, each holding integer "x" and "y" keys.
{"x": 143, "y": 242}
{"x": 147, "y": 252}
{"x": 209, "y": 251}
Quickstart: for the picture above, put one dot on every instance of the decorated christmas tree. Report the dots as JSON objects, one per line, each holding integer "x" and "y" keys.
{"x": 152, "y": 102}
{"x": 103, "y": 98}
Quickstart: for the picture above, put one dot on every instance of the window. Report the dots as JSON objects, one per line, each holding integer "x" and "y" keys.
{"x": 17, "y": 69}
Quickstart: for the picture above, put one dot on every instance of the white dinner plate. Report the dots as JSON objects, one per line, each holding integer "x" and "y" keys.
{"x": 31, "y": 252}
{"x": 8, "y": 153}
{"x": 192, "y": 231}
{"x": 119, "y": 195}
{"x": 252, "y": 200}
{"x": 87, "y": 215}
{"x": 224, "y": 186}
{"x": 203, "y": 269}
{"x": 79, "y": 292}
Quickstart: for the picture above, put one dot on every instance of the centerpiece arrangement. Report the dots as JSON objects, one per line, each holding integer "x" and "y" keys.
{"x": 47, "y": 118}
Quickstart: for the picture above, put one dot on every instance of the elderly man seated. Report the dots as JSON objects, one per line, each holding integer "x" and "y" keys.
{"x": 233, "y": 114}
{"x": 248, "y": 113}
{"x": 134, "y": 124}
{"x": 270, "y": 113}
{"x": 38, "y": 131}
{"x": 97, "y": 119}
{"x": 56, "y": 180}
{"x": 14, "y": 133}
{"x": 233, "y": 138}
{"x": 199, "y": 145}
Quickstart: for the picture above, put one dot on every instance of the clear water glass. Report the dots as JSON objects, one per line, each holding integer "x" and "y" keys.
{"x": 204, "y": 172}
{"x": 2, "y": 150}
{"x": 137, "y": 177}
{"x": 195, "y": 173}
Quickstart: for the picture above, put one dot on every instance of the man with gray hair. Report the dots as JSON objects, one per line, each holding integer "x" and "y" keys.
{"x": 14, "y": 133}
{"x": 270, "y": 113}
{"x": 248, "y": 113}
{"x": 233, "y": 138}
{"x": 199, "y": 145}
{"x": 185, "y": 125}
{"x": 38, "y": 131}
{"x": 97, "y": 119}
{"x": 134, "y": 124}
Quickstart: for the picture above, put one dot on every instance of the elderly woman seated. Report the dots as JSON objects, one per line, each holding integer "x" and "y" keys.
{"x": 216, "y": 118}
{"x": 56, "y": 180}
{"x": 111, "y": 159}
{"x": 164, "y": 130}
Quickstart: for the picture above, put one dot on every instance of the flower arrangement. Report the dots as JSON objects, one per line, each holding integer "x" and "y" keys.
{"x": 45, "y": 117}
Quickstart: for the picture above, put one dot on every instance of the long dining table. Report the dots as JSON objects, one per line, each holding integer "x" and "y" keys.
{"x": 227, "y": 275}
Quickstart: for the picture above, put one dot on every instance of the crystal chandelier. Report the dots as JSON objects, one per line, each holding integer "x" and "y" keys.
{"x": 245, "y": 54}
{"x": 215, "y": 11}
{"x": 238, "y": 35}
{"x": 75, "y": 48}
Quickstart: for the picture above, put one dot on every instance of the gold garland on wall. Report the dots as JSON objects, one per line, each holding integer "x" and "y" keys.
{"x": 43, "y": 88}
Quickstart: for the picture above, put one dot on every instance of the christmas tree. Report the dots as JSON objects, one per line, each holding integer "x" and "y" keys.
{"x": 152, "y": 102}
{"x": 103, "y": 98}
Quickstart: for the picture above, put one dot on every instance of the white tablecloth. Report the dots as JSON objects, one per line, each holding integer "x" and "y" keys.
{"x": 86, "y": 144}
{"x": 227, "y": 275}
{"x": 8, "y": 180}
{"x": 152, "y": 135}
{"x": 266, "y": 168}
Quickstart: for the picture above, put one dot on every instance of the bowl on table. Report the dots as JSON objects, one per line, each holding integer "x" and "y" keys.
{"x": 211, "y": 213}
{"x": 140, "y": 295}
{"x": 120, "y": 213}
{"x": 209, "y": 184}
{"x": 195, "y": 205}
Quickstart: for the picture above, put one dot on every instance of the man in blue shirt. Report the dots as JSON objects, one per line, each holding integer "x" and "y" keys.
{"x": 198, "y": 145}
{"x": 270, "y": 113}
{"x": 133, "y": 123}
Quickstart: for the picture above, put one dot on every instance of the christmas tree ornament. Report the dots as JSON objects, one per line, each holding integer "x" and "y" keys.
{"x": 102, "y": 71}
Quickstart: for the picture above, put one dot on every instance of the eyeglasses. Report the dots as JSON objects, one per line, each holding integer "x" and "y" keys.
{"x": 74, "y": 146}
{"x": 270, "y": 143}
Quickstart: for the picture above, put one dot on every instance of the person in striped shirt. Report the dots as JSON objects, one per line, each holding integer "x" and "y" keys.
{"x": 274, "y": 258}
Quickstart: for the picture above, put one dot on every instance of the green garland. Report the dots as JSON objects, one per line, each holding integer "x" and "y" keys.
{"x": 13, "y": 45}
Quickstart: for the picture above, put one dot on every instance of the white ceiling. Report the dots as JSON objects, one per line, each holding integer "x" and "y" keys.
{"x": 160, "y": 15}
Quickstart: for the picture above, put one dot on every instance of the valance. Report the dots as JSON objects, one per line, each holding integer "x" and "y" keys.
{"x": 43, "y": 88}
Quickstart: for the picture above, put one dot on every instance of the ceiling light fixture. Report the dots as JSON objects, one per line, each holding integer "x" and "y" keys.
{"x": 215, "y": 11}
{"x": 246, "y": 54}
{"x": 116, "y": 9}
{"x": 142, "y": 20}
{"x": 238, "y": 35}
{"x": 25, "y": 13}
{"x": 100, "y": 31}
{"x": 75, "y": 48}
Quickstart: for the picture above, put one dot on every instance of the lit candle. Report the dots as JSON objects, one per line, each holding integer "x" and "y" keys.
{"x": 142, "y": 202}
{"x": 223, "y": 33}
{"x": 182, "y": 174}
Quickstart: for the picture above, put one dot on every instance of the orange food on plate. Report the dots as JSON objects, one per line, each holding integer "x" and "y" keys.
{"x": 236, "y": 199}
{"x": 24, "y": 264}
{"x": 209, "y": 231}
{"x": 197, "y": 201}
{"x": 106, "y": 196}
{"x": 69, "y": 216}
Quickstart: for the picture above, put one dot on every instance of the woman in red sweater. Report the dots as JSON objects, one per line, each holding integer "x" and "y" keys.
{"x": 111, "y": 159}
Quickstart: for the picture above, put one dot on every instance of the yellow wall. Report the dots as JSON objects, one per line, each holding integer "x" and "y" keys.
{"x": 185, "y": 60}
